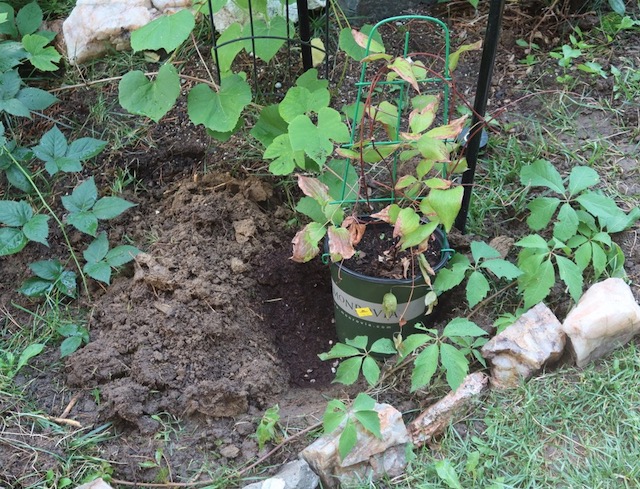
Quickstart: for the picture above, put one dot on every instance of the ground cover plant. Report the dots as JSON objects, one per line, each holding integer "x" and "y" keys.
{"x": 167, "y": 372}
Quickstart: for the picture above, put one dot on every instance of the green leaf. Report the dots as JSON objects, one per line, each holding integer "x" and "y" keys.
{"x": 339, "y": 350}
{"x": 370, "y": 370}
{"x": 37, "y": 229}
{"x": 359, "y": 342}
{"x": 120, "y": 255}
{"x": 166, "y": 32}
{"x": 309, "y": 80}
{"x": 97, "y": 250}
{"x": 270, "y": 125}
{"x": 477, "y": 288}
{"x": 455, "y": 364}
{"x": 40, "y": 55}
{"x": 502, "y": 268}
{"x": 310, "y": 208}
{"x": 608, "y": 213}
{"x": 425, "y": 366}
{"x": 384, "y": 346}
{"x": 52, "y": 145}
{"x": 455, "y": 56}
{"x": 140, "y": 96}
{"x": 85, "y": 222}
{"x": 541, "y": 173}
{"x": 348, "y": 371}
{"x": 47, "y": 269}
{"x": 448, "y": 278}
{"x": 8, "y": 27}
{"x": 447, "y": 474}
{"x": 29, "y": 19}
{"x": 12, "y": 241}
{"x": 536, "y": 282}
{"x": 228, "y": 52}
{"x": 462, "y": 327}
{"x": 567, "y": 223}
{"x": 305, "y": 242}
{"x": 348, "y": 43}
{"x": 84, "y": 148}
{"x": 265, "y": 48}
{"x": 348, "y": 439}
{"x": 82, "y": 198}
{"x": 28, "y": 353}
{"x": 67, "y": 283}
{"x": 370, "y": 420}
{"x": 334, "y": 415}
{"x": 542, "y": 210}
{"x": 283, "y": 156}
{"x": 15, "y": 214}
{"x": 581, "y": 178}
{"x": 419, "y": 235}
{"x": 446, "y": 204}
{"x": 617, "y": 6}
{"x": 301, "y": 101}
{"x": 404, "y": 68}
{"x": 411, "y": 343}
{"x": 36, "y": 287}
{"x": 70, "y": 345}
{"x": 534, "y": 241}
{"x": 599, "y": 260}
{"x": 582, "y": 255}
{"x": 316, "y": 141}
{"x": 35, "y": 98}
{"x": 100, "y": 271}
{"x": 110, "y": 207}
{"x": 571, "y": 275}
{"x": 481, "y": 250}
{"x": 219, "y": 111}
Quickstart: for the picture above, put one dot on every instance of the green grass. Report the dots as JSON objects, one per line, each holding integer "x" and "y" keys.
{"x": 565, "y": 429}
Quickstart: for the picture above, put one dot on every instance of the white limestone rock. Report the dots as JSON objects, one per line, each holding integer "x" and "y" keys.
{"x": 294, "y": 475}
{"x": 606, "y": 317}
{"x": 95, "y": 26}
{"x": 95, "y": 484}
{"x": 535, "y": 340}
{"x": 370, "y": 459}
{"x": 231, "y": 13}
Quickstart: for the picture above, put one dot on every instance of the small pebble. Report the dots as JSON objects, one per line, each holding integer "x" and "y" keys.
{"x": 278, "y": 85}
{"x": 312, "y": 381}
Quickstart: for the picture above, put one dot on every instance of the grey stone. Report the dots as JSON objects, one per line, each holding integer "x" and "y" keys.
{"x": 230, "y": 451}
{"x": 95, "y": 484}
{"x": 607, "y": 316}
{"x": 369, "y": 460}
{"x": 535, "y": 340}
{"x": 294, "y": 475}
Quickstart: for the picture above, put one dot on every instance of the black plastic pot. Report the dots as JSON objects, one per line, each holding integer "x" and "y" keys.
{"x": 358, "y": 298}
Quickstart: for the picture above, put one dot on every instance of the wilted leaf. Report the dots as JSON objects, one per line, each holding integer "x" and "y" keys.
{"x": 305, "y": 242}
{"x": 340, "y": 245}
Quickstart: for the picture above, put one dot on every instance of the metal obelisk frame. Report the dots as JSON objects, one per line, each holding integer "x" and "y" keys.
{"x": 480, "y": 105}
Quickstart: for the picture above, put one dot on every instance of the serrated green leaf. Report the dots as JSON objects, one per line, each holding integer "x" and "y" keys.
{"x": 608, "y": 213}
{"x": 85, "y": 222}
{"x": 29, "y": 19}
{"x": 67, "y": 283}
{"x": 536, "y": 284}
{"x": 339, "y": 350}
{"x": 481, "y": 250}
{"x": 334, "y": 415}
{"x": 35, "y": 98}
{"x": 70, "y": 345}
{"x": 582, "y": 255}
{"x": 411, "y": 343}
{"x": 477, "y": 288}
{"x": 462, "y": 327}
{"x": 12, "y": 241}
{"x": 370, "y": 420}
{"x": 40, "y": 55}
{"x": 541, "y": 173}
{"x": 52, "y": 145}
{"x": 120, "y": 255}
{"x": 567, "y": 223}
{"x": 348, "y": 439}
{"x": 448, "y": 278}
{"x": 425, "y": 366}
{"x": 455, "y": 364}
{"x": 581, "y": 178}
{"x": 84, "y": 148}
{"x": 141, "y": 96}
{"x": 47, "y": 269}
{"x": 166, "y": 32}
{"x": 542, "y": 210}
{"x": 14, "y": 213}
{"x": 36, "y": 287}
{"x": 599, "y": 259}
{"x": 97, "y": 250}
{"x": 358, "y": 342}
{"x": 383, "y": 346}
{"x": 571, "y": 275}
{"x": 110, "y": 207}
{"x": 348, "y": 371}
{"x": 219, "y": 111}
{"x": 502, "y": 269}
{"x": 100, "y": 271}
{"x": 37, "y": 229}
{"x": 82, "y": 198}
{"x": 534, "y": 241}
{"x": 370, "y": 370}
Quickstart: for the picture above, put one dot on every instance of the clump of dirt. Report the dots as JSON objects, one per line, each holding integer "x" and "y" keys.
{"x": 187, "y": 334}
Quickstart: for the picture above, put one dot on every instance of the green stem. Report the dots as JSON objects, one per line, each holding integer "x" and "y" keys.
{"x": 55, "y": 217}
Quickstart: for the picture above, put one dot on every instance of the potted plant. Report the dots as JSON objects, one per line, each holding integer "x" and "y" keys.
{"x": 384, "y": 211}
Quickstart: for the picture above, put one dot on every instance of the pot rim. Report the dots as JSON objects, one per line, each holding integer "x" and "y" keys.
{"x": 445, "y": 256}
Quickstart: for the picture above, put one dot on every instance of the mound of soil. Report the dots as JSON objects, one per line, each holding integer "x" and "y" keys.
{"x": 193, "y": 332}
